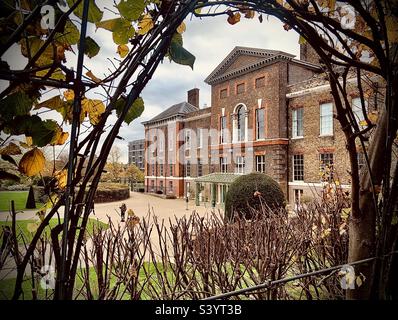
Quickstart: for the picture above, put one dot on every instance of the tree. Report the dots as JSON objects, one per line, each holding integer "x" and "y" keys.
{"x": 134, "y": 174}
{"x": 360, "y": 38}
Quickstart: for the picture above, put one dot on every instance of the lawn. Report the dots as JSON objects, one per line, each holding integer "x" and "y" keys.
{"x": 19, "y": 198}
{"x": 7, "y": 285}
{"x": 23, "y": 227}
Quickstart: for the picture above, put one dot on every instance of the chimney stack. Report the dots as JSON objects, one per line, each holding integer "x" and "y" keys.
{"x": 193, "y": 97}
{"x": 307, "y": 53}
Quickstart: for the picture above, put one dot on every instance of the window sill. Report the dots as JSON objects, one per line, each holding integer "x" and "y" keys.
{"x": 326, "y": 135}
{"x": 297, "y": 138}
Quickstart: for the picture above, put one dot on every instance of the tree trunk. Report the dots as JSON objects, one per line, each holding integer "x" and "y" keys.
{"x": 362, "y": 228}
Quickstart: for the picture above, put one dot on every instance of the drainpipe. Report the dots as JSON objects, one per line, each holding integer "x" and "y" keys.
{"x": 288, "y": 143}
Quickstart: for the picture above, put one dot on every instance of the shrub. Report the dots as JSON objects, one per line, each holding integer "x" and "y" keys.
{"x": 17, "y": 187}
{"x": 108, "y": 192}
{"x": 252, "y": 192}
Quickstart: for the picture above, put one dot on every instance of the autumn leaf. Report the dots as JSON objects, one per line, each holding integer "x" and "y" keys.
{"x": 94, "y": 108}
{"x": 32, "y": 162}
{"x": 60, "y": 137}
{"x": 234, "y": 18}
{"x": 373, "y": 116}
{"x": 69, "y": 95}
{"x": 145, "y": 25}
{"x": 250, "y": 14}
{"x": 93, "y": 77}
{"x": 61, "y": 176}
{"x": 11, "y": 150}
{"x": 122, "y": 50}
{"x": 181, "y": 28}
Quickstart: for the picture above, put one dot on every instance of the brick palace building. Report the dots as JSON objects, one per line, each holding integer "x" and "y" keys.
{"x": 269, "y": 113}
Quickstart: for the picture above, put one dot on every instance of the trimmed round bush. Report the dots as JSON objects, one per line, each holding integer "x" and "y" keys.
{"x": 251, "y": 192}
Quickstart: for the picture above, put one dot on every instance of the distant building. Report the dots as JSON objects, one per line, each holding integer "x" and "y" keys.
{"x": 137, "y": 153}
{"x": 269, "y": 113}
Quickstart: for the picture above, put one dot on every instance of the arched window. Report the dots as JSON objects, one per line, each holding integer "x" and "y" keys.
{"x": 241, "y": 115}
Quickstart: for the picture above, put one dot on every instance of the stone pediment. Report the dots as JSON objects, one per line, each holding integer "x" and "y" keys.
{"x": 242, "y": 60}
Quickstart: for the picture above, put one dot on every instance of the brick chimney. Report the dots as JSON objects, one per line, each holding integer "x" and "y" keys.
{"x": 193, "y": 97}
{"x": 307, "y": 53}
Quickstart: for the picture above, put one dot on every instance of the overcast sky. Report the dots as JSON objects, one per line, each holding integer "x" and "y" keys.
{"x": 209, "y": 39}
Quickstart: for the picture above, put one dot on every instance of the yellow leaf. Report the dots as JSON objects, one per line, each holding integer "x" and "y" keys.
{"x": 69, "y": 94}
{"x": 61, "y": 138}
{"x": 11, "y": 150}
{"x": 373, "y": 116}
{"x": 145, "y": 25}
{"x": 182, "y": 28}
{"x": 93, "y": 77}
{"x": 94, "y": 108}
{"x": 62, "y": 178}
{"x": 29, "y": 141}
{"x": 32, "y": 162}
{"x": 122, "y": 50}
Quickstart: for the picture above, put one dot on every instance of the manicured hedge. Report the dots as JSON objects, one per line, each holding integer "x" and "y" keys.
{"x": 108, "y": 192}
{"x": 251, "y": 192}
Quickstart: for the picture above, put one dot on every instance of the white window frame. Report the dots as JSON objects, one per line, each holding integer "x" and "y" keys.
{"x": 295, "y": 123}
{"x": 187, "y": 139}
{"x": 258, "y": 135}
{"x": 260, "y": 163}
{"x": 222, "y": 164}
{"x": 240, "y": 165}
{"x": 223, "y": 129}
{"x": 200, "y": 137}
{"x": 294, "y": 166}
{"x": 356, "y": 107}
{"x": 328, "y": 116}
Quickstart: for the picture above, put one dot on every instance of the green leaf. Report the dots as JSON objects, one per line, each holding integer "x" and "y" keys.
{"x": 16, "y": 104}
{"x": 22, "y": 125}
{"x": 135, "y": 110}
{"x": 44, "y": 133}
{"x": 94, "y": 13}
{"x": 123, "y": 34}
{"x": 70, "y": 35}
{"x": 91, "y": 48}
{"x": 35, "y": 44}
{"x": 131, "y": 9}
{"x": 180, "y": 55}
{"x": 122, "y": 29}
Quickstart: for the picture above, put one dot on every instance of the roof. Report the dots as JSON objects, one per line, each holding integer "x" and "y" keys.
{"x": 265, "y": 57}
{"x": 175, "y": 110}
{"x": 222, "y": 178}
